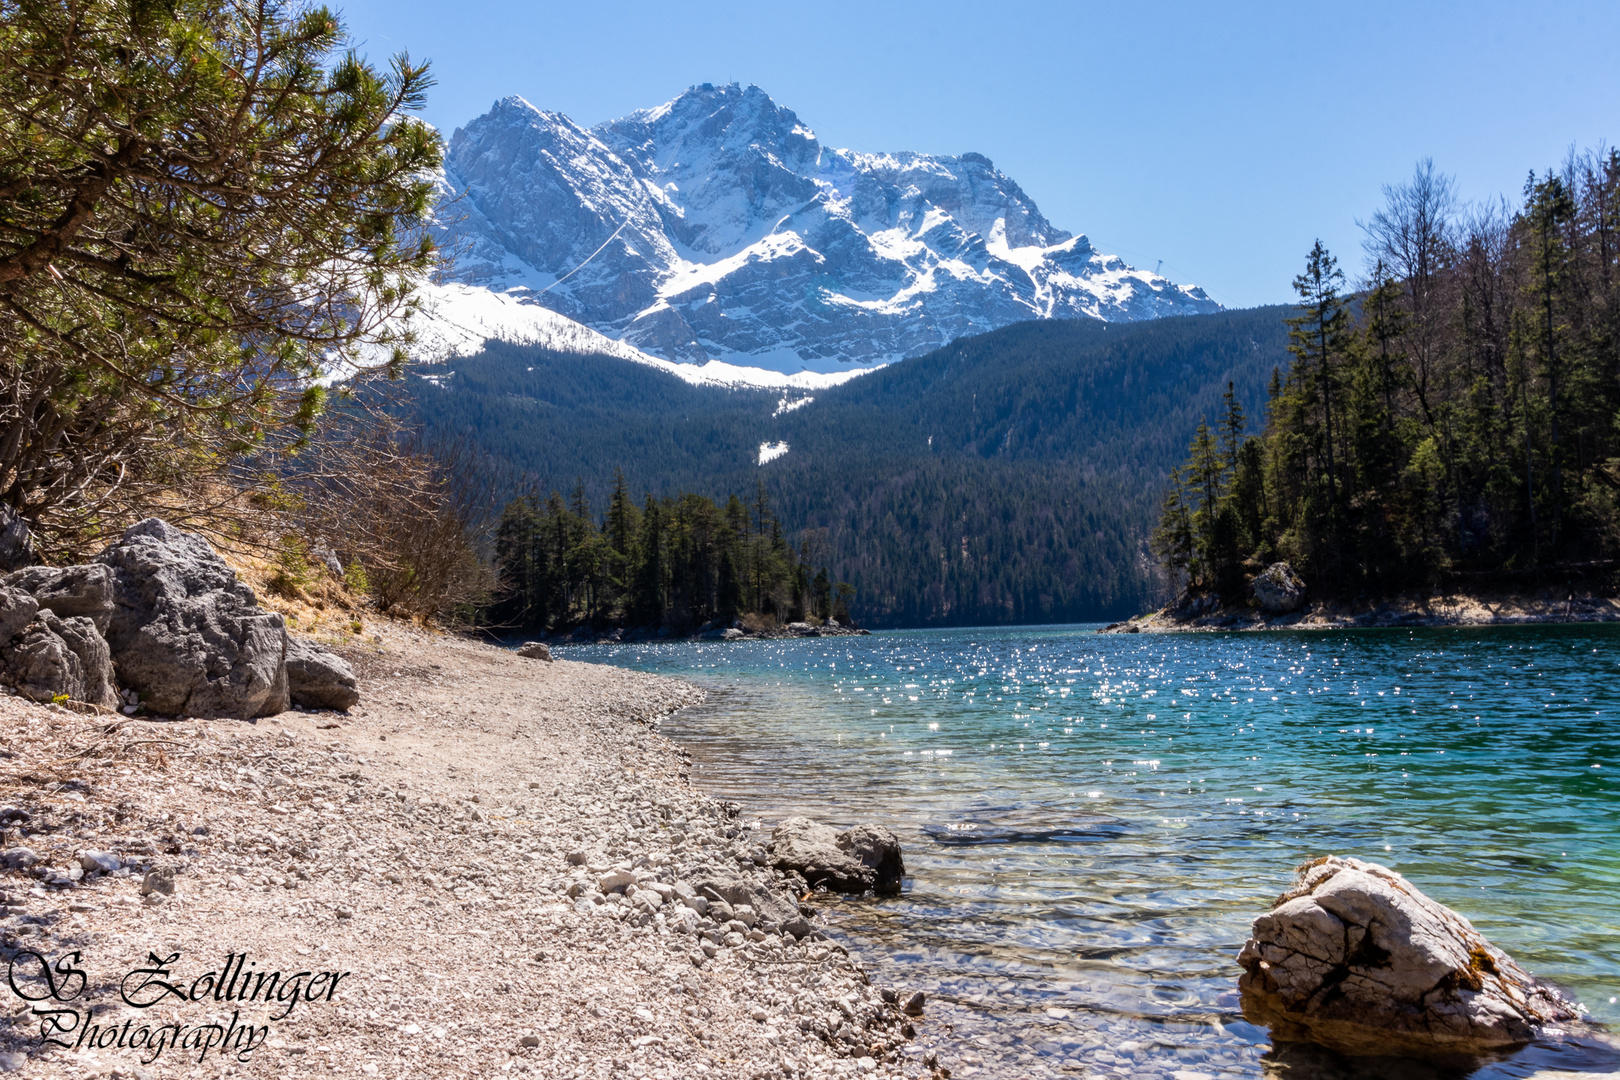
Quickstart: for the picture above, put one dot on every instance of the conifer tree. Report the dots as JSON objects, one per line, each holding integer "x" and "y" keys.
{"x": 203, "y": 209}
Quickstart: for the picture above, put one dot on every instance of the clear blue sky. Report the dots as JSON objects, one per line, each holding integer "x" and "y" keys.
{"x": 1219, "y": 138}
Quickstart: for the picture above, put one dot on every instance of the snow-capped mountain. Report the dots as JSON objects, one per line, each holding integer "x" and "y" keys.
{"x": 718, "y": 228}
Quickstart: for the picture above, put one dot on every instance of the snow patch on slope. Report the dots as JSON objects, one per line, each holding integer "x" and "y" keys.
{"x": 456, "y": 320}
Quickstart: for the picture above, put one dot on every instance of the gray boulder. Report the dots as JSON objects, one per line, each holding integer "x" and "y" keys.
{"x": 1355, "y": 958}
{"x": 317, "y": 679}
{"x": 877, "y": 849}
{"x": 323, "y": 554}
{"x": 53, "y": 657}
{"x": 738, "y": 891}
{"x": 864, "y": 858}
{"x": 186, "y": 634}
{"x": 17, "y": 610}
{"x": 534, "y": 650}
{"x": 1278, "y": 589}
{"x": 16, "y": 542}
{"x": 69, "y": 590}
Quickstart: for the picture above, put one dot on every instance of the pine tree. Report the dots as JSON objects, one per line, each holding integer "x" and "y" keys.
{"x": 1317, "y": 337}
{"x": 206, "y": 208}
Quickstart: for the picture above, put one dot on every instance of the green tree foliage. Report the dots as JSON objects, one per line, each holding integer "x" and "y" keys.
{"x": 1458, "y": 419}
{"x": 1006, "y": 478}
{"x": 680, "y": 563}
{"x": 202, "y": 206}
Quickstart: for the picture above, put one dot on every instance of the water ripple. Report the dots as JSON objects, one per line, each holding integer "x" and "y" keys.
{"x": 1091, "y": 822}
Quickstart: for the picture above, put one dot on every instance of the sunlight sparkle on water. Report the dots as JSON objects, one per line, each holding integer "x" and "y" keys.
{"x": 1108, "y": 867}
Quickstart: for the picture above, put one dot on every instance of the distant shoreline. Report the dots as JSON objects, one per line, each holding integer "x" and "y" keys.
{"x": 1450, "y": 610}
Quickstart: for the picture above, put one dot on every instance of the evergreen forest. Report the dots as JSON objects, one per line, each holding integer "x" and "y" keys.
{"x": 1006, "y": 478}
{"x": 1452, "y": 420}
{"x": 680, "y": 564}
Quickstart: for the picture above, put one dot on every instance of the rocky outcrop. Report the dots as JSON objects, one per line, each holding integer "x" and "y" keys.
{"x": 52, "y": 658}
{"x": 17, "y": 610}
{"x": 534, "y": 650}
{"x": 16, "y": 541}
{"x": 317, "y": 679}
{"x": 737, "y": 891}
{"x": 1278, "y": 590}
{"x": 186, "y": 634}
{"x": 161, "y": 613}
{"x": 1357, "y": 959}
{"x": 69, "y": 591}
{"x": 865, "y": 858}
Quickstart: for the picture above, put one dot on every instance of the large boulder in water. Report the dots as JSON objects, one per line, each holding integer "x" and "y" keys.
{"x": 1357, "y": 959}
{"x": 186, "y": 634}
{"x": 1278, "y": 589}
{"x": 856, "y": 860}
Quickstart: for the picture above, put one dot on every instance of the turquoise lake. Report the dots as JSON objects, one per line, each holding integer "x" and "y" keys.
{"x": 1092, "y": 821}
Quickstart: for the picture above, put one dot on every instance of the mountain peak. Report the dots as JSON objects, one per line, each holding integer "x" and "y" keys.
{"x": 718, "y": 226}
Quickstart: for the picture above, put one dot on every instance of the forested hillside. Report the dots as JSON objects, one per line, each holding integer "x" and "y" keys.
{"x": 1461, "y": 422}
{"x": 1011, "y": 477}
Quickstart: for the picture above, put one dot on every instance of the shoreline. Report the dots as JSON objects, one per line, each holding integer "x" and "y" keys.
{"x": 1438, "y": 611}
{"x": 425, "y": 846}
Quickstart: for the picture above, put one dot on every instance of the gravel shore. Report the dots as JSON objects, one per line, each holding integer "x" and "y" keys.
{"x": 427, "y": 877}
{"x": 1451, "y": 610}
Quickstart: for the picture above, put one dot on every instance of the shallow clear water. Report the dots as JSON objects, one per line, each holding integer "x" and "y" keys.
{"x": 1092, "y": 821}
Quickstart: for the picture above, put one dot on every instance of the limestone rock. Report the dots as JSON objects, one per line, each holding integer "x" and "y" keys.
{"x": 878, "y": 849}
{"x": 69, "y": 590}
{"x": 317, "y": 679}
{"x": 186, "y": 634}
{"x": 534, "y": 650}
{"x": 17, "y": 610}
{"x": 16, "y": 542}
{"x": 99, "y": 684}
{"x": 858, "y": 859}
{"x": 737, "y": 891}
{"x": 159, "y": 880}
{"x": 1357, "y": 959}
{"x": 321, "y": 552}
{"x": 53, "y": 657}
{"x": 1278, "y": 589}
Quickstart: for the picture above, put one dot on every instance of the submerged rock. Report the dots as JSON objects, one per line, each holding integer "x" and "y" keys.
{"x": 1357, "y": 959}
{"x": 856, "y": 860}
{"x": 1278, "y": 589}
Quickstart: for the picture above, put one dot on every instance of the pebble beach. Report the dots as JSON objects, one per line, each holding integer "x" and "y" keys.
{"x": 485, "y": 868}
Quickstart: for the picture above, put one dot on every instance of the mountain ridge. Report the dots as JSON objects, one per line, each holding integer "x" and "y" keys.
{"x": 718, "y": 227}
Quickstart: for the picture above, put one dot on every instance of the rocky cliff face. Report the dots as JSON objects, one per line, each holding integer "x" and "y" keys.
{"x": 719, "y": 227}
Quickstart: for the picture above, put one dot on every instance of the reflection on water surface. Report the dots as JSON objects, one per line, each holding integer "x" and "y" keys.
{"x": 1092, "y": 821}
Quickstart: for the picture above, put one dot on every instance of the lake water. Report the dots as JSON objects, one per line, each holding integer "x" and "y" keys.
{"x": 1091, "y": 822}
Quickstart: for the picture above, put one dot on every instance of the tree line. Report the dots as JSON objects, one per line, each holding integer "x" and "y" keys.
{"x": 676, "y": 563}
{"x": 1455, "y": 417}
